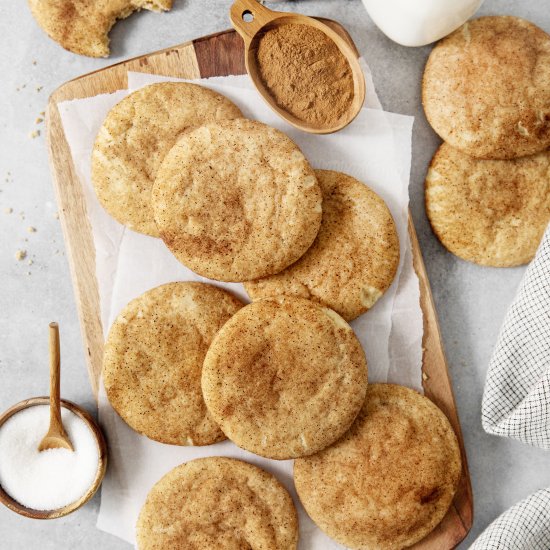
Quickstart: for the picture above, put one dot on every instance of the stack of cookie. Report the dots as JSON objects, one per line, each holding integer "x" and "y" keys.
{"x": 486, "y": 92}
{"x": 283, "y": 377}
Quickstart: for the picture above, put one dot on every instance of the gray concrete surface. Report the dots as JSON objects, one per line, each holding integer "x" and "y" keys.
{"x": 471, "y": 300}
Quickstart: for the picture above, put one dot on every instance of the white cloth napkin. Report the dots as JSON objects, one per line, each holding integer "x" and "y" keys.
{"x": 516, "y": 401}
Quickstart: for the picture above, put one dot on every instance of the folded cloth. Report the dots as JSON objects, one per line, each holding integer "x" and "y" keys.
{"x": 516, "y": 401}
{"x": 525, "y": 526}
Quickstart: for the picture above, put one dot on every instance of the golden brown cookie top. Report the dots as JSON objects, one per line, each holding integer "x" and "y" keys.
{"x": 486, "y": 88}
{"x": 236, "y": 200}
{"x": 82, "y": 26}
{"x": 218, "y": 504}
{"x": 284, "y": 377}
{"x": 390, "y": 480}
{"x": 490, "y": 212}
{"x": 136, "y": 135}
{"x": 354, "y": 258}
{"x": 153, "y": 361}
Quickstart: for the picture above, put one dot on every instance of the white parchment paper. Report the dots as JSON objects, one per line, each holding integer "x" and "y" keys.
{"x": 376, "y": 149}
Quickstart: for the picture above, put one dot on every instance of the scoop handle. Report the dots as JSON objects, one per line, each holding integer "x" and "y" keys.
{"x": 259, "y": 16}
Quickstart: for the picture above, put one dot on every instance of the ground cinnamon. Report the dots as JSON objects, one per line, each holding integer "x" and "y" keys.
{"x": 305, "y": 73}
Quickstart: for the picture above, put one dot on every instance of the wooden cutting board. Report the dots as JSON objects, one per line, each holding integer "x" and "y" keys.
{"x": 219, "y": 55}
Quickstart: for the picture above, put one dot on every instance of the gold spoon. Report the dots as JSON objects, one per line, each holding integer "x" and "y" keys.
{"x": 57, "y": 437}
{"x": 250, "y": 19}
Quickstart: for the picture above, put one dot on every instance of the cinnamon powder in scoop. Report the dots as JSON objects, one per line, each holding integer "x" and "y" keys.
{"x": 305, "y": 73}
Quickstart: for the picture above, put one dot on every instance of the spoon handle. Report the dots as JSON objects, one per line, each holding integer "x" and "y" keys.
{"x": 249, "y": 16}
{"x": 55, "y": 362}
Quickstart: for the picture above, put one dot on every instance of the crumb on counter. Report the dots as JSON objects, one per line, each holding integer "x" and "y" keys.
{"x": 31, "y": 229}
{"x": 20, "y": 255}
{"x": 34, "y": 134}
{"x": 8, "y": 210}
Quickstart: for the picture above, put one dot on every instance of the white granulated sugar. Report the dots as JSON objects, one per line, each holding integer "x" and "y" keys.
{"x": 49, "y": 479}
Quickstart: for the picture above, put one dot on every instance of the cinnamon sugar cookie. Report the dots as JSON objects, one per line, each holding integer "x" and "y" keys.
{"x": 218, "y": 503}
{"x": 82, "y": 26}
{"x": 236, "y": 200}
{"x": 490, "y": 212}
{"x": 284, "y": 377}
{"x": 153, "y": 361}
{"x": 134, "y": 138}
{"x": 486, "y": 88}
{"x": 390, "y": 480}
{"x": 354, "y": 258}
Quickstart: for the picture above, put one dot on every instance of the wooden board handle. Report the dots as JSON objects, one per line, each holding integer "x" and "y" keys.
{"x": 248, "y": 17}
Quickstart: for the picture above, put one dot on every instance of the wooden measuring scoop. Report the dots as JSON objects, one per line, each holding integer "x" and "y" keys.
{"x": 57, "y": 437}
{"x": 250, "y": 19}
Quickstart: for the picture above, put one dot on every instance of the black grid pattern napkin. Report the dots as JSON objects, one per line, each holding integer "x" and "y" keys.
{"x": 525, "y": 526}
{"x": 516, "y": 401}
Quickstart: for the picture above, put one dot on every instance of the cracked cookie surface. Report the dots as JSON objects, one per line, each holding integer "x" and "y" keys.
{"x": 390, "y": 480}
{"x": 82, "y": 26}
{"x": 236, "y": 200}
{"x": 354, "y": 257}
{"x": 136, "y": 135}
{"x": 490, "y": 212}
{"x": 486, "y": 88}
{"x": 218, "y": 504}
{"x": 284, "y": 377}
{"x": 153, "y": 360}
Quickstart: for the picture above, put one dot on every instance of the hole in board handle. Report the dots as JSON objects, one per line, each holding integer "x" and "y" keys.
{"x": 247, "y": 16}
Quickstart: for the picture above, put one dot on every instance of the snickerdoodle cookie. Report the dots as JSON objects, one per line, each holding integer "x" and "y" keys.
{"x": 486, "y": 88}
{"x": 136, "y": 135}
{"x": 236, "y": 200}
{"x": 390, "y": 480}
{"x": 284, "y": 377}
{"x": 82, "y": 26}
{"x": 153, "y": 361}
{"x": 354, "y": 258}
{"x": 491, "y": 212}
{"x": 217, "y": 503}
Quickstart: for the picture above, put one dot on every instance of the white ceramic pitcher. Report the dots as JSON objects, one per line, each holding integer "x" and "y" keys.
{"x": 420, "y": 22}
